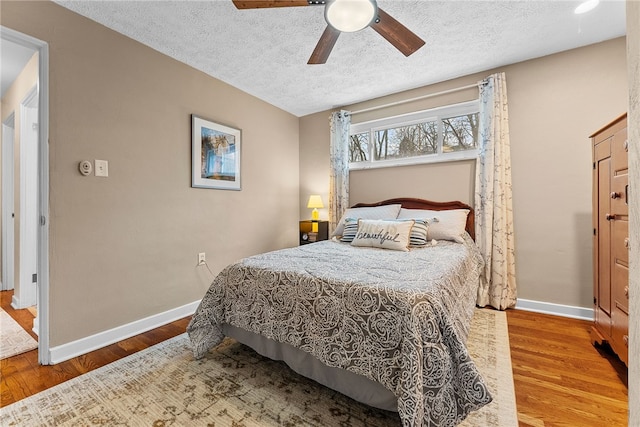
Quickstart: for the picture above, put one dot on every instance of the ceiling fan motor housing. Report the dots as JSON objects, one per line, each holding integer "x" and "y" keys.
{"x": 347, "y": 16}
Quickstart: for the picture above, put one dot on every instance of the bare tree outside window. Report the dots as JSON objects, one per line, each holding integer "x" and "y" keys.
{"x": 441, "y": 134}
{"x": 382, "y": 145}
{"x": 359, "y": 147}
{"x": 406, "y": 141}
{"x": 460, "y": 133}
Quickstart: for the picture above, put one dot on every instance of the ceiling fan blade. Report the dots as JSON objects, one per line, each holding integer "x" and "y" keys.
{"x": 260, "y": 4}
{"x": 324, "y": 46}
{"x": 397, "y": 34}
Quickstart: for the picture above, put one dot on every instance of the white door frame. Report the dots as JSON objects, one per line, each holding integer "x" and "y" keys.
{"x": 25, "y": 293}
{"x": 44, "y": 356}
{"x": 8, "y": 138}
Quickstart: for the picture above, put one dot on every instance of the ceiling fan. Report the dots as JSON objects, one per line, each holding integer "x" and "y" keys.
{"x": 347, "y": 16}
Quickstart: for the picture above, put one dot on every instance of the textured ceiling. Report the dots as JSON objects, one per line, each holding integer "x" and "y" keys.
{"x": 264, "y": 52}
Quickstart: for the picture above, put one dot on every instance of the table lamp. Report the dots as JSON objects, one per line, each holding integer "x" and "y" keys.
{"x": 314, "y": 203}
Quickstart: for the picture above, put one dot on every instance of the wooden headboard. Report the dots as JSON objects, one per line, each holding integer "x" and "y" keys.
{"x": 413, "y": 203}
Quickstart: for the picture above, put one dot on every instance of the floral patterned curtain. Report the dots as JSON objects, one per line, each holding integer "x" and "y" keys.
{"x": 493, "y": 205}
{"x": 340, "y": 121}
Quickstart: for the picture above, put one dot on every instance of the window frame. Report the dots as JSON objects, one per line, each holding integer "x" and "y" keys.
{"x": 434, "y": 114}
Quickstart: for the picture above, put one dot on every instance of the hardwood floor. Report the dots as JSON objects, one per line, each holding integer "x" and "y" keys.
{"x": 560, "y": 378}
{"x": 22, "y": 376}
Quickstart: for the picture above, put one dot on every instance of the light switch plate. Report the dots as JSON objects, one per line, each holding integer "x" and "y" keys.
{"x": 102, "y": 168}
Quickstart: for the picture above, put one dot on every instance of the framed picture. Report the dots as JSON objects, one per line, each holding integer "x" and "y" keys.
{"x": 215, "y": 155}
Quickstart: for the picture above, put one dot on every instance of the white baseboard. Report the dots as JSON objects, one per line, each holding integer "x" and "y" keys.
{"x": 555, "y": 309}
{"x": 19, "y": 304}
{"x": 85, "y": 345}
{"x": 36, "y": 323}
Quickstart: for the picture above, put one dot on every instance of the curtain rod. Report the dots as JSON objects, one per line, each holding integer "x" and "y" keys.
{"x": 431, "y": 95}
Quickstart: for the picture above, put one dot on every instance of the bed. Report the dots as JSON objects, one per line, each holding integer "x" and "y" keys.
{"x": 385, "y": 327}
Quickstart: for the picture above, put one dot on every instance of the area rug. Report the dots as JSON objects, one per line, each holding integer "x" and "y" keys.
{"x": 14, "y": 339}
{"x": 235, "y": 387}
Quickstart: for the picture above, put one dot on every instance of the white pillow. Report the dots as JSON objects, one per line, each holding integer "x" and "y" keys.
{"x": 383, "y": 234}
{"x": 448, "y": 224}
{"x": 377, "y": 212}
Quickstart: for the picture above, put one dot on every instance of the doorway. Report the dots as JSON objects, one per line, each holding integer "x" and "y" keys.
{"x": 24, "y": 295}
{"x": 8, "y": 136}
{"x": 32, "y": 228}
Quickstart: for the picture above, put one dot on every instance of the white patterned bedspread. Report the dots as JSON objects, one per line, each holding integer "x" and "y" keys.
{"x": 398, "y": 318}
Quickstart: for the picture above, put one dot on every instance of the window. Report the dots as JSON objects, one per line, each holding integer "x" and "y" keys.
{"x": 438, "y": 135}
{"x": 359, "y": 147}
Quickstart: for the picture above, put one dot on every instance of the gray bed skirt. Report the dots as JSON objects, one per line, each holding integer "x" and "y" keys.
{"x": 353, "y": 385}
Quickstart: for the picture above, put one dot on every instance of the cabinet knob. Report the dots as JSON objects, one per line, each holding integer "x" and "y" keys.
{"x": 627, "y": 244}
{"x": 626, "y": 291}
{"x": 625, "y": 338}
{"x": 615, "y": 195}
{"x": 610, "y": 217}
{"x": 626, "y": 145}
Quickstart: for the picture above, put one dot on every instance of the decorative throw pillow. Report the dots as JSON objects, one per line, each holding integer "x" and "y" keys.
{"x": 383, "y": 234}
{"x": 418, "y": 236}
{"x": 376, "y": 212}
{"x": 350, "y": 229}
{"x": 419, "y": 232}
{"x": 447, "y": 225}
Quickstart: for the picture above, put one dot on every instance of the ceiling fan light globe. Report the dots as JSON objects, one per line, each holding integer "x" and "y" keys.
{"x": 586, "y": 6}
{"x": 350, "y": 15}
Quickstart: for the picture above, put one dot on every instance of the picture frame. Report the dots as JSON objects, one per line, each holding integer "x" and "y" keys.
{"x": 215, "y": 155}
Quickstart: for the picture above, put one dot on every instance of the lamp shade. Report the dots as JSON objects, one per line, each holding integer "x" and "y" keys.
{"x": 315, "y": 202}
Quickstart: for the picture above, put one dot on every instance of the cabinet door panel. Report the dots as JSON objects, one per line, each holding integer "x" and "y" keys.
{"x": 620, "y": 334}
{"x": 603, "y": 169}
{"x": 619, "y": 199}
{"x": 619, "y": 152}
{"x": 620, "y": 287}
{"x": 619, "y": 241}
{"x": 619, "y": 173}
{"x": 620, "y": 264}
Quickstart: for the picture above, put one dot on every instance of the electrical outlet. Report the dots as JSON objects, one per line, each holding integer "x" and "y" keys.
{"x": 202, "y": 259}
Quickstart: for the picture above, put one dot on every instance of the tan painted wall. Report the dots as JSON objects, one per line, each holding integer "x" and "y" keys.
{"x": 633, "y": 67}
{"x": 23, "y": 84}
{"x": 554, "y": 107}
{"x": 314, "y": 162}
{"x": 555, "y": 103}
{"x": 125, "y": 247}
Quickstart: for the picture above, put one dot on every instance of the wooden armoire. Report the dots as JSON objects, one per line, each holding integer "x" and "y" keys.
{"x": 611, "y": 237}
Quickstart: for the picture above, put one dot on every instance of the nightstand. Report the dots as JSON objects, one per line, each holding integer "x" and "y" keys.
{"x": 308, "y": 236}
